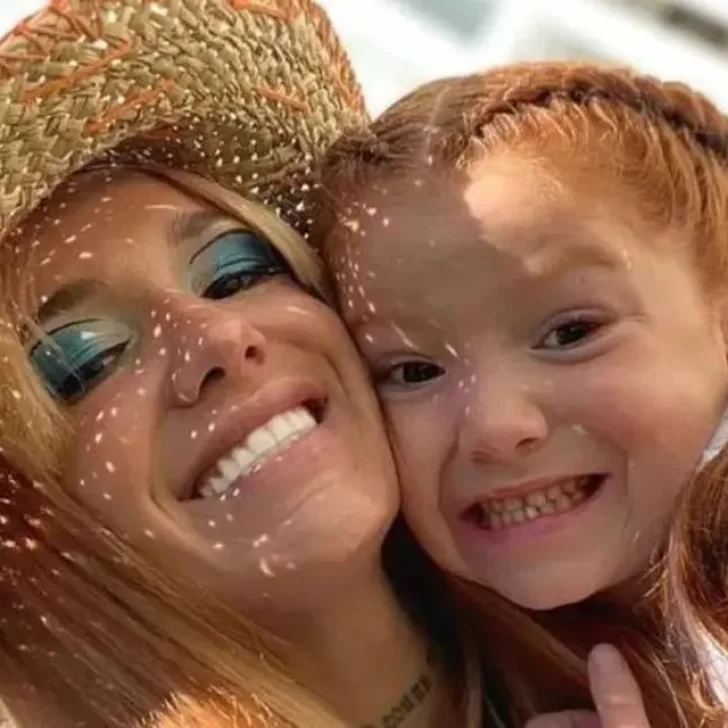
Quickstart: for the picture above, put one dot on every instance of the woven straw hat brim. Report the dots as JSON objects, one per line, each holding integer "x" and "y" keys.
{"x": 245, "y": 93}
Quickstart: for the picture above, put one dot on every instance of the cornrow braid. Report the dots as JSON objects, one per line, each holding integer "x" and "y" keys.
{"x": 449, "y": 113}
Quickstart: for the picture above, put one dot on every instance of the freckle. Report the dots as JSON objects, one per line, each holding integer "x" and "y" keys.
{"x": 85, "y": 255}
{"x": 193, "y": 435}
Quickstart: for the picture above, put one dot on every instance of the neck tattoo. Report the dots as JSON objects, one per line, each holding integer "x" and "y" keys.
{"x": 410, "y": 701}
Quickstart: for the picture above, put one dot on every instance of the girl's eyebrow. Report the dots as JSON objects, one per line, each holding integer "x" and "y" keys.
{"x": 555, "y": 261}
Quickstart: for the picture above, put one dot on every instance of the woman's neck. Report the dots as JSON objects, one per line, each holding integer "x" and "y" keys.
{"x": 365, "y": 657}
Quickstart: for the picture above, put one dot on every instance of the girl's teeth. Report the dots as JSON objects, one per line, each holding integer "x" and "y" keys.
{"x": 278, "y": 432}
{"x": 497, "y": 514}
{"x": 563, "y": 504}
{"x": 553, "y": 493}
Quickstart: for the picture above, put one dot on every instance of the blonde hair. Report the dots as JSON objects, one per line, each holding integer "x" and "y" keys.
{"x": 92, "y": 632}
{"x": 668, "y": 147}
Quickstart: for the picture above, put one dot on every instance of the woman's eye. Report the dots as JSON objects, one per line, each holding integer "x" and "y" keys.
{"x": 569, "y": 334}
{"x": 234, "y": 262}
{"x": 410, "y": 373}
{"x": 72, "y": 359}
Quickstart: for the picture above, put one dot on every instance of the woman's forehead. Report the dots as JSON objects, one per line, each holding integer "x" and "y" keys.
{"x": 92, "y": 225}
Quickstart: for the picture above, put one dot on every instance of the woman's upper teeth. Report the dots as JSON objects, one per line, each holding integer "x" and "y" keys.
{"x": 270, "y": 438}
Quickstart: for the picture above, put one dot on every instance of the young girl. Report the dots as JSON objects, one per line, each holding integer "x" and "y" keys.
{"x": 534, "y": 262}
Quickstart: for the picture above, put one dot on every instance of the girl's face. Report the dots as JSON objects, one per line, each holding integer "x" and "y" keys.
{"x": 550, "y": 368}
{"x": 221, "y": 418}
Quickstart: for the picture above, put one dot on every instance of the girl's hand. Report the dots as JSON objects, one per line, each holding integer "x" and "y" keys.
{"x": 615, "y": 692}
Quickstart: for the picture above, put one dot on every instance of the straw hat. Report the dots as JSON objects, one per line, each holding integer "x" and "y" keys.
{"x": 246, "y": 92}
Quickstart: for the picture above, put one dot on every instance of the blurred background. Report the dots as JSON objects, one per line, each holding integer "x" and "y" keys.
{"x": 397, "y": 44}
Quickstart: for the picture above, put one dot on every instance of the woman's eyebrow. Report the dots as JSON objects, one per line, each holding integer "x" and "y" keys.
{"x": 68, "y": 296}
{"x": 189, "y": 227}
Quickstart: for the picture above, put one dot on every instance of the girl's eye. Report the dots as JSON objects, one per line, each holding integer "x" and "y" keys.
{"x": 234, "y": 261}
{"x": 570, "y": 334}
{"x": 72, "y": 359}
{"x": 410, "y": 373}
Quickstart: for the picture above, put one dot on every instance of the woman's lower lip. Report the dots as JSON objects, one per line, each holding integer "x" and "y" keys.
{"x": 529, "y": 531}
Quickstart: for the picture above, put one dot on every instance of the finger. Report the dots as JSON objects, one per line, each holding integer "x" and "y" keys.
{"x": 616, "y": 693}
{"x": 567, "y": 719}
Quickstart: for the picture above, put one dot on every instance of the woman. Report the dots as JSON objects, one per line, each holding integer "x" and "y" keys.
{"x": 206, "y": 547}
{"x": 532, "y": 260}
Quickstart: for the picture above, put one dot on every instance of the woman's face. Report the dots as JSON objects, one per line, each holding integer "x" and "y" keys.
{"x": 221, "y": 417}
{"x": 550, "y": 367}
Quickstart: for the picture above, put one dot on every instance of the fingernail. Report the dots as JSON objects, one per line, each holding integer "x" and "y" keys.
{"x": 606, "y": 660}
